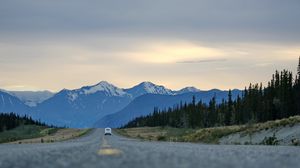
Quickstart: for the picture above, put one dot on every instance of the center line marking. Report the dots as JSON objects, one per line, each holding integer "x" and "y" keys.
{"x": 109, "y": 152}
{"x": 106, "y": 149}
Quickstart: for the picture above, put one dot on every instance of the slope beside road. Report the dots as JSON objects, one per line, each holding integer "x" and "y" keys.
{"x": 97, "y": 150}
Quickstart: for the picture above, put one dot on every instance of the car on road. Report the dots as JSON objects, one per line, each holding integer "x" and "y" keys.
{"x": 107, "y": 131}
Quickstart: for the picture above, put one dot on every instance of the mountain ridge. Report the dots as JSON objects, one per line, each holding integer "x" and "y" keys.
{"x": 85, "y": 106}
{"x": 145, "y": 104}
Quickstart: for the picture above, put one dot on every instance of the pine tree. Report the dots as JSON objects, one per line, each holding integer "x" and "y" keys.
{"x": 212, "y": 114}
{"x": 298, "y": 69}
{"x": 297, "y": 90}
{"x": 281, "y": 98}
{"x": 229, "y": 111}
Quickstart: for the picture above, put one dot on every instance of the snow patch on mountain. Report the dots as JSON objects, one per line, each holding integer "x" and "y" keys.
{"x": 148, "y": 88}
{"x": 31, "y": 98}
{"x": 156, "y": 89}
{"x": 72, "y": 96}
{"x": 108, "y": 88}
{"x": 187, "y": 90}
{"x": 105, "y": 87}
{"x": 3, "y": 102}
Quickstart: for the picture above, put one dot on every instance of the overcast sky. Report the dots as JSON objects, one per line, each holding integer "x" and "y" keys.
{"x": 55, "y": 44}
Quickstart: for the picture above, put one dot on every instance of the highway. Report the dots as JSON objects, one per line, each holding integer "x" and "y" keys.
{"x": 98, "y": 151}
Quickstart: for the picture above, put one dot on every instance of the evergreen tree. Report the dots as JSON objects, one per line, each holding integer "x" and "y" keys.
{"x": 10, "y": 121}
{"x": 229, "y": 111}
{"x": 280, "y": 99}
{"x": 297, "y": 90}
{"x": 212, "y": 112}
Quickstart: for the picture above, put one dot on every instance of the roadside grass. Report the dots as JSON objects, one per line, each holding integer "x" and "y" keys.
{"x": 24, "y": 132}
{"x": 211, "y": 135}
{"x": 203, "y": 135}
{"x": 61, "y": 134}
{"x": 155, "y": 133}
{"x": 291, "y": 121}
{"x": 40, "y": 134}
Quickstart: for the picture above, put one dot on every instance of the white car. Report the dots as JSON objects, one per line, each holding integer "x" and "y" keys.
{"x": 107, "y": 131}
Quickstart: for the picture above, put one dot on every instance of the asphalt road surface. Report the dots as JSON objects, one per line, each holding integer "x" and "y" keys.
{"x": 99, "y": 151}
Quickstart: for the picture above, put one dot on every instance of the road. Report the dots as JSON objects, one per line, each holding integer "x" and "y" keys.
{"x": 99, "y": 151}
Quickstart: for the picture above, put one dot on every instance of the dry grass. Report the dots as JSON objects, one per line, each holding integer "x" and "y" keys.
{"x": 274, "y": 124}
{"x": 25, "y": 132}
{"x": 156, "y": 133}
{"x": 58, "y": 135}
{"x": 204, "y": 135}
{"x": 212, "y": 135}
{"x": 149, "y": 133}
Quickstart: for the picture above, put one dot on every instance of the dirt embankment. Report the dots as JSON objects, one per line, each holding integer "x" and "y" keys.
{"x": 283, "y": 135}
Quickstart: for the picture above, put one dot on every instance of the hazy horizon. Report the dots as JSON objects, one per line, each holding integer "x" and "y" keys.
{"x": 116, "y": 86}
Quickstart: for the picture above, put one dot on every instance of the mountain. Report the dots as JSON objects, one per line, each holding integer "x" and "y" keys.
{"x": 82, "y": 107}
{"x": 31, "y": 98}
{"x": 103, "y": 103}
{"x": 107, "y": 88}
{"x": 145, "y": 104}
{"x": 148, "y": 88}
{"x": 9, "y": 103}
{"x": 187, "y": 90}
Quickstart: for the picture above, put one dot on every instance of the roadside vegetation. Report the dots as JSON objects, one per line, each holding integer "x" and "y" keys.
{"x": 155, "y": 133}
{"x": 279, "y": 99}
{"x": 17, "y": 129}
{"x": 14, "y": 127}
{"x": 58, "y": 135}
{"x": 207, "y": 135}
{"x": 10, "y": 121}
{"x": 25, "y": 132}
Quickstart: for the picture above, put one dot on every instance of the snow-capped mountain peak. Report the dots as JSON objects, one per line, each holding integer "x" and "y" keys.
{"x": 155, "y": 89}
{"x": 187, "y": 90}
{"x": 148, "y": 87}
{"x": 108, "y": 88}
{"x": 31, "y": 98}
{"x": 103, "y": 86}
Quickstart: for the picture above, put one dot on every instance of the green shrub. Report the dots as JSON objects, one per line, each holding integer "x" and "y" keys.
{"x": 270, "y": 140}
{"x": 296, "y": 142}
{"x": 248, "y": 143}
{"x": 161, "y": 138}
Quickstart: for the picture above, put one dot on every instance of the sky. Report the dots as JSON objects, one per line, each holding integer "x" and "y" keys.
{"x": 56, "y": 44}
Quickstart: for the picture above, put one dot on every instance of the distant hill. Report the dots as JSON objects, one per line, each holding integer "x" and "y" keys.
{"x": 145, "y": 104}
{"x": 32, "y": 98}
{"x": 82, "y": 107}
{"x": 9, "y": 103}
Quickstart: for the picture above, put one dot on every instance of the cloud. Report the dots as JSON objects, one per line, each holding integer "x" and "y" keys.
{"x": 199, "y": 20}
{"x": 164, "y": 51}
{"x": 265, "y": 64}
{"x": 70, "y": 43}
{"x": 202, "y": 61}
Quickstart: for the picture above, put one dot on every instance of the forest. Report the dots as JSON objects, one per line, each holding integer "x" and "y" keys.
{"x": 279, "y": 99}
{"x": 10, "y": 121}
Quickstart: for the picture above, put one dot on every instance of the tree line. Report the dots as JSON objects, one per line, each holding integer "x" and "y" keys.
{"x": 279, "y": 99}
{"x": 10, "y": 121}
